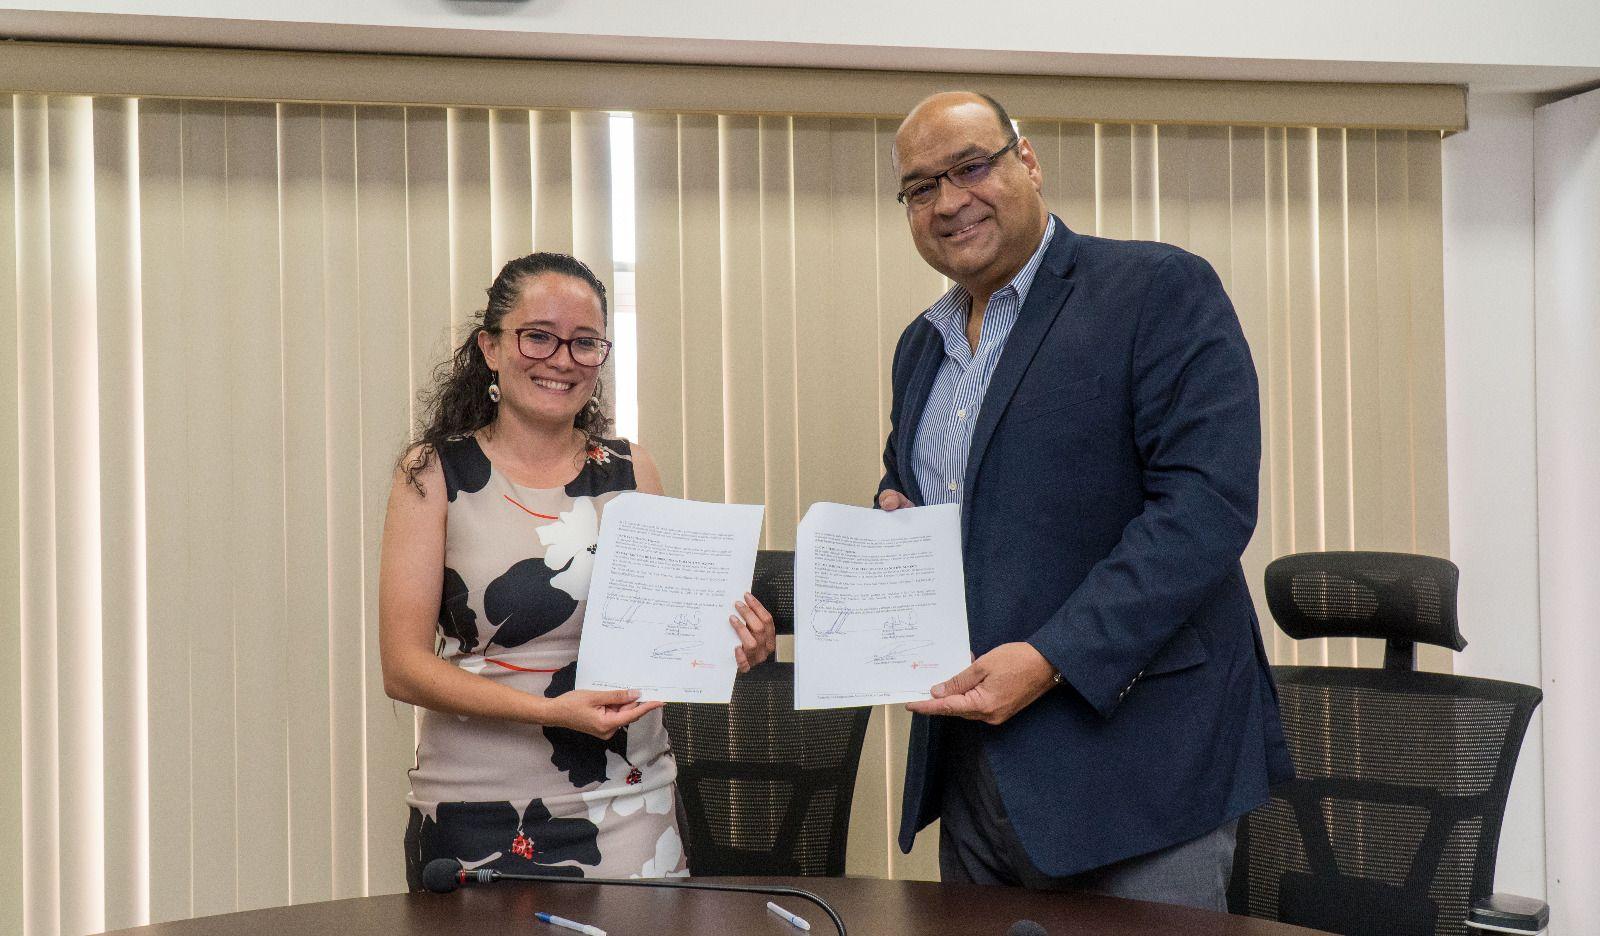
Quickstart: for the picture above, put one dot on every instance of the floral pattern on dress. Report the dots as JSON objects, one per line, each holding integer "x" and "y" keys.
{"x": 582, "y": 757}
{"x": 513, "y": 796}
{"x": 569, "y": 547}
{"x": 657, "y": 801}
{"x": 457, "y": 620}
{"x": 522, "y": 604}
{"x": 668, "y": 860}
{"x": 496, "y": 835}
{"x": 466, "y": 469}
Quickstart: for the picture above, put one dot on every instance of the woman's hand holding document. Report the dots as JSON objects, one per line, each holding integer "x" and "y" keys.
{"x": 666, "y": 573}
{"x": 880, "y": 605}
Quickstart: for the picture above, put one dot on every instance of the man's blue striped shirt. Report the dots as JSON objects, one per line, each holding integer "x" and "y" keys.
{"x": 944, "y": 434}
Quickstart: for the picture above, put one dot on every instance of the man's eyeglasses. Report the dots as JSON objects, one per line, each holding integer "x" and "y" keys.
{"x": 536, "y": 344}
{"x": 924, "y": 192}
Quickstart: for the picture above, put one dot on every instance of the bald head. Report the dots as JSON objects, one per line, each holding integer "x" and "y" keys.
{"x": 947, "y": 99}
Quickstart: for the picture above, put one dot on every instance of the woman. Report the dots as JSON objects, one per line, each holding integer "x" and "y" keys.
{"x": 491, "y": 529}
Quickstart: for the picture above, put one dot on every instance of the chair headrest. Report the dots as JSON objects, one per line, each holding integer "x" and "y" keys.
{"x": 1389, "y": 596}
{"x": 773, "y": 586}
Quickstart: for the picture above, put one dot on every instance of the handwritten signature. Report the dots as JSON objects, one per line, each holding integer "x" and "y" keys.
{"x": 683, "y": 625}
{"x": 900, "y": 651}
{"x": 828, "y": 624}
{"x": 675, "y": 650}
{"x": 616, "y": 621}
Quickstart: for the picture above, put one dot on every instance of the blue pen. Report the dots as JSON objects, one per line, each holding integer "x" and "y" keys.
{"x": 790, "y": 918}
{"x": 583, "y": 928}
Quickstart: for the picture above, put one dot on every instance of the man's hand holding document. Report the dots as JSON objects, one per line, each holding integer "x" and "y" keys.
{"x": 880, "y": 605}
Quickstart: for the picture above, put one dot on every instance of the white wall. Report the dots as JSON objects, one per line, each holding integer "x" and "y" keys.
{"x": 1484, "y": 32}
{"x": 1567, "y": 286}
{"x": 1522, "y": 348}
{"x": 1490, "y": 423}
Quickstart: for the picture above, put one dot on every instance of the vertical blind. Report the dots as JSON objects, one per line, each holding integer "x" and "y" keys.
{"x": 776, "y": 273}
{"x": 221, "y": 315}
{"x": 215, "y": 317}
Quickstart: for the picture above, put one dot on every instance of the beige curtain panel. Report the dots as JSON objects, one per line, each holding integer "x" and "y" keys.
{"x": 214, "y": 318}
{"x": 221, "y": 316}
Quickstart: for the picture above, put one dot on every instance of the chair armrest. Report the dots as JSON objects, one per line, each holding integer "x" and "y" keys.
{"x": 1508, "y": 913}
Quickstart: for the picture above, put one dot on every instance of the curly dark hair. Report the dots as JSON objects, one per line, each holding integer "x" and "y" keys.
{"x": 458, "y": 404}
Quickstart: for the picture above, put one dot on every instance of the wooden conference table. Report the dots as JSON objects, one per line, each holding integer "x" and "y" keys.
{"x": 869, "y": 907}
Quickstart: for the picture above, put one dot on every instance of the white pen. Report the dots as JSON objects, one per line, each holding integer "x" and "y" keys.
{"x": 792, "y": 920}
{"x": 583, "y": 928}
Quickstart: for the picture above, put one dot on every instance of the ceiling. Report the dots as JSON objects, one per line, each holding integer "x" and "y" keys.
{"x": 1545, "y": 81}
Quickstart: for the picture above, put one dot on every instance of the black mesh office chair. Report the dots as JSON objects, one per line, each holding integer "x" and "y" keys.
{"x": 766, "y": 790}
{"x": 1391, "y": 825}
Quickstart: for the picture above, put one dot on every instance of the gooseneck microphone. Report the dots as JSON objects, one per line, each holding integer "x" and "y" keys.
{"x": 443, "y": 875}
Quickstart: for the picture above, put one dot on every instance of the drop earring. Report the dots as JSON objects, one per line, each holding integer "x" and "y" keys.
{"x": 494, "y": 387}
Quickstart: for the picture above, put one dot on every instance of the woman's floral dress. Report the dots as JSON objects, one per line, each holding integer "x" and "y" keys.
{"x": 528, "y": 798}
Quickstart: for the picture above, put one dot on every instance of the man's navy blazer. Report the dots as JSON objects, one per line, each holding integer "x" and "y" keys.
{"x": 1110, "y": 490}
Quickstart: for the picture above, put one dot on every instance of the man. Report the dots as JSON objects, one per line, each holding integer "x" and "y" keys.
{"x": 1092, "y": 406}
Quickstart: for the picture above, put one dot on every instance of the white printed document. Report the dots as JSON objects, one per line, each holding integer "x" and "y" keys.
{"x": 880, "y": 607}
{"x": 666, "y": 575}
